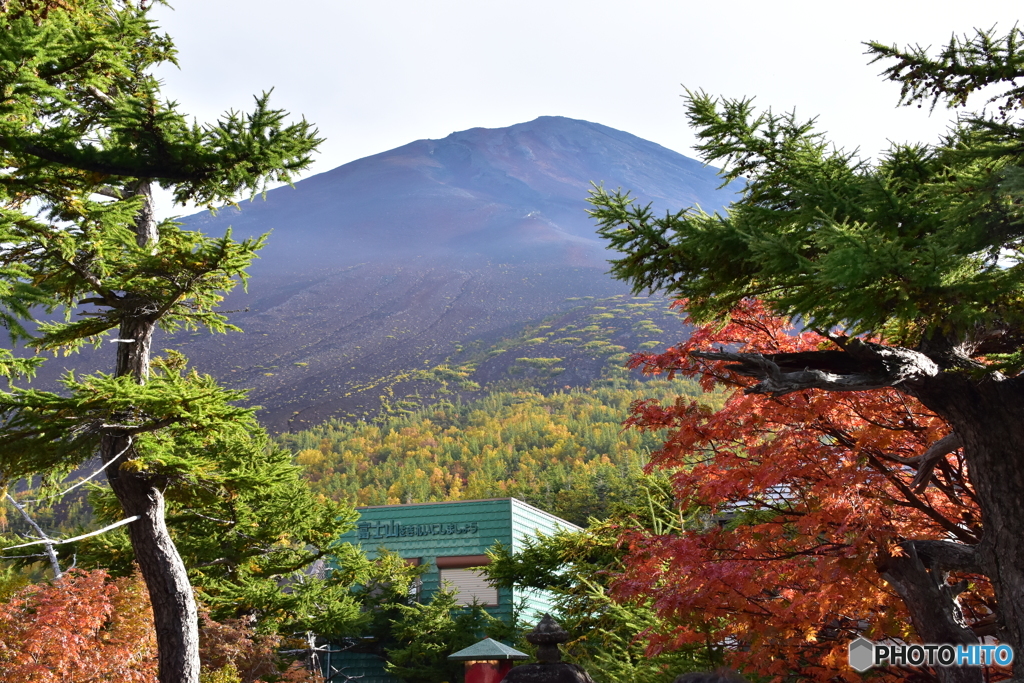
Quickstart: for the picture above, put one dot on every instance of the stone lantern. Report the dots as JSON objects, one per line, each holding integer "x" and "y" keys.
{"x": 549, "y": 667}
{"x": 487, "y": 661}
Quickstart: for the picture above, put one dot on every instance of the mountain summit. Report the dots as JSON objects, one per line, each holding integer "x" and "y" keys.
{"x": 510, "y": 195}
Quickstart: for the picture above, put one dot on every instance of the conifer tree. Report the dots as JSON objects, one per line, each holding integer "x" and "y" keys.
{"x": 85, "y": 137}
{"x": 911, "y": 265}
{"x": 423, "y": 635}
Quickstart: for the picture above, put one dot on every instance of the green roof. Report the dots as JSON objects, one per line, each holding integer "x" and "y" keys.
{"x": 487, "y": 649}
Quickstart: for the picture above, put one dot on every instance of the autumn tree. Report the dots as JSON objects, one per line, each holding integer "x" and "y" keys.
{"x": 909, "y": 265}
{"x": 90, "y": 627}
{"x": 85, "y": 137}
{"x": 83, "y": 628}
{"x": 564, "y": 452}
{"x": 804, "y": 518}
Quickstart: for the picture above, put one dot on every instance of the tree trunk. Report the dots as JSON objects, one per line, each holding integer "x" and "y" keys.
{"x": 933, "y": 609}
{"x": 988, "y": 416}
{"x": 170, "y": 592}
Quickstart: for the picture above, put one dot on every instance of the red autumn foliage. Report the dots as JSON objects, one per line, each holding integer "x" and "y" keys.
{"x": 83, "y": 628}
{"x": 793, "y": 499}
{"x": 234, "y": 643}
{"x": 235, "y": 646}
{"x": 88, "y": 628}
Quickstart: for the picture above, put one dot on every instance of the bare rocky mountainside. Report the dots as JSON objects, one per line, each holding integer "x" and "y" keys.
{"x": 381, "y": 271}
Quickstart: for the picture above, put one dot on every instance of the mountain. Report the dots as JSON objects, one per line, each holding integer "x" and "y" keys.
{"x": 511, "y": 195}
{"x": 384, "y": 267}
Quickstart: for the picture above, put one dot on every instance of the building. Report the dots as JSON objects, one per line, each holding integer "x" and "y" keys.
{"x": 452, "y": 539}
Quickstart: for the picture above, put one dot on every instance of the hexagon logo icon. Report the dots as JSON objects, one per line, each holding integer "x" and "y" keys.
{"x": 862, "y": 654}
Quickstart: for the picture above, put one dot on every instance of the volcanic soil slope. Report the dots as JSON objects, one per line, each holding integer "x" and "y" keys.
{"x": 386, "y": 266}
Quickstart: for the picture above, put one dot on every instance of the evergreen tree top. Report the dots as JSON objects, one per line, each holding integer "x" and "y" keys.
{"x": 923, "y": 242}
{"x": 79, "y": 104}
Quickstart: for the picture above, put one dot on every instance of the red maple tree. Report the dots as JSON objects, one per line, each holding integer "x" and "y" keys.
{"x": 82, "y": 628}
{"x": 796, "y": 507}
{"x": 89, "y": 628}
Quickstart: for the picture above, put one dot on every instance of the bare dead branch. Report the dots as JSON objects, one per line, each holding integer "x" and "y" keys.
{"x": 108, "y": 191}
{"x": 105, "y": 529}
{"x": 100, "y": 95}
{"x": 49, "y": 542}
{"x": 94, "y": 474}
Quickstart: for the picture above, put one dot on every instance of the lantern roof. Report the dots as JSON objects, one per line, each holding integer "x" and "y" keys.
{"x": 487, "y": 649}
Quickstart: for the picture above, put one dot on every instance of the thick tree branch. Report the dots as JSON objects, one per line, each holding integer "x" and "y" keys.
{"x": 862, "y": 366}
{"x": 162, "y": 172}
{"x": 947, "y": 556}
{"x": 930, "y": 598}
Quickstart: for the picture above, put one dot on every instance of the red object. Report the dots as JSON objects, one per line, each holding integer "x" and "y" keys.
{"x": 490, "y": 671}
{"x": 820, "y": 480}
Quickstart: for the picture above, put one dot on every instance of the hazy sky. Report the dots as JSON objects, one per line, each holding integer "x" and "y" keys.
{"x": 376, "y": 74}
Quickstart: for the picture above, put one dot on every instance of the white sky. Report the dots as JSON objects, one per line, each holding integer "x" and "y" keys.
{"x": 376, "y": 74}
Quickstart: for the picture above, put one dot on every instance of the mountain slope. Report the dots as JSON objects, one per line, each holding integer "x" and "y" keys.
{"x": 382, "y": 267}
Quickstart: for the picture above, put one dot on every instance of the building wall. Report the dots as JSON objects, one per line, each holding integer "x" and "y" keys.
{"x": 426, "y": 531}
{"x": 527, "y": 521}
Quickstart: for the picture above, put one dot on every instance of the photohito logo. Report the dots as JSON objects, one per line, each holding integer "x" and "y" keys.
{"x": 865, "y": 654}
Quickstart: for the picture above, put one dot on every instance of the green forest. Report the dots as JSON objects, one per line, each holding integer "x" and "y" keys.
{"x": 564, "y": 452}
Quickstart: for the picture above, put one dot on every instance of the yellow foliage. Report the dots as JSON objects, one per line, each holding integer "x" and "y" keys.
{"x": 310, "y": 458}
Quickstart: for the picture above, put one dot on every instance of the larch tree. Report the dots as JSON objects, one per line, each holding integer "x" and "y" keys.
{"x": 85, "y": 137}
{"x": 909, "y": 264}
{"x": 615, "y": 639}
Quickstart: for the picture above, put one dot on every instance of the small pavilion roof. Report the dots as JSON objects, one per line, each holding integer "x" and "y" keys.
{"x": 487, "y": 649}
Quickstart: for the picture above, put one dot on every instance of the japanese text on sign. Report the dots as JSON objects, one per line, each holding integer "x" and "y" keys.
{"x": 396, "y": 529}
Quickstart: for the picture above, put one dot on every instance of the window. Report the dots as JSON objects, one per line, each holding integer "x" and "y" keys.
{"x": 471, "y": 583}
